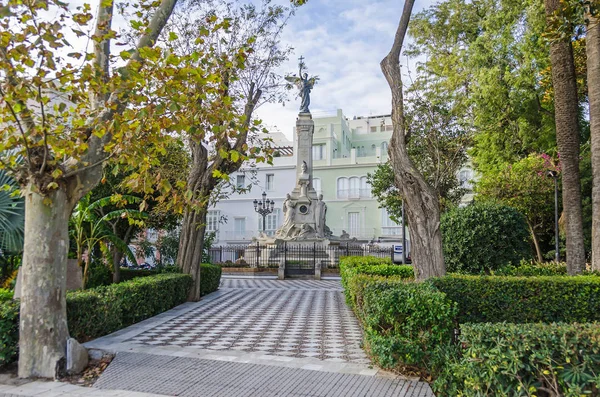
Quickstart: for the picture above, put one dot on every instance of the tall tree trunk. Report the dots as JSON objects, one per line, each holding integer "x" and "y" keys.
{"x": 592, "y": 39}
{"x": 117, "y": 256}
{"x": 567, "y": 138}
{"x": 191, "y": 240}
{"x": 536, "y": 242}
{"x": 43, "y": 325}
{"x": 421, "y": 200}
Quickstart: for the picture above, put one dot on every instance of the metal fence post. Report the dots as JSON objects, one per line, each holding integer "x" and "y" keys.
{"x": 257, "y": 254}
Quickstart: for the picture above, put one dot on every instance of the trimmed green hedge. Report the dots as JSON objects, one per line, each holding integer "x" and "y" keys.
{"x": 9, "y": 331}
{"x": 523, "y": 299}
{"x": 353, "y": 266}
{"x": 407, "y": 324}
{"x": 96, "y": 312}
{"x": 210, "y": 278}
{"x": 519, "y": 359}
{"x": 529, "y": 269}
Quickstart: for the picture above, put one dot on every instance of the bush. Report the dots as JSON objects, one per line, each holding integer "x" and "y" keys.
{"x": 91, "y": 314}
{"x": 523, "y": 299}
{"x": 99, "y": 274}
{"x": 484, "y": 237}
{"x": 130, "y": 274}
{"x": 5, "y": 294}
{"x": 9, "y": 331}
{"x": 524, "y": 359}
{"x": 532, "y": 268}
{"x": 406, "y": 323}
{"x": 210, "y": 278}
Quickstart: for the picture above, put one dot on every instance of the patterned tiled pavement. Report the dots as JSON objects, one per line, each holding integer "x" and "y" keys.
{"x": 279, "y": 321}
{"x": 251, "y": 338}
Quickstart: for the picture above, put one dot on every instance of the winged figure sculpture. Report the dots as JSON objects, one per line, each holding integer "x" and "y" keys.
{"x": 304, "y": 84}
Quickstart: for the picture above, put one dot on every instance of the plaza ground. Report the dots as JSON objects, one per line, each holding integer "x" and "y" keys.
{"x": 251, "y": 338}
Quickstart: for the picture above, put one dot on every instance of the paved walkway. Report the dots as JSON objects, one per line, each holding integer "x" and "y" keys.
{"x": 251, "y": 338}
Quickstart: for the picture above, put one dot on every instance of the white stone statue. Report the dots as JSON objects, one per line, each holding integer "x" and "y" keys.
{"x": 304, "y": 179}
{"x": 289, "y": 212}
{"x": 320, "y": 216}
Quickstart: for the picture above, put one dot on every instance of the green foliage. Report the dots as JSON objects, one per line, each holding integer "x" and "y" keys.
{"x": 524, "y": 360}
{"x": 97, "y": 312}
{"x": 531, "y": 268}
{"x": 523, "y": 299}
{"x": 99, "y": 274}
{"x": 484, "y": 237}
{"x": 406, "y": 323}
{"x": 210, "y": 278}
{"x": 6, "y": 294}
{"x": 209, "y": 238}
{"x": 384, "y": 190}
{"x": 9, "y": 331}
{"x": 12, "y": 216}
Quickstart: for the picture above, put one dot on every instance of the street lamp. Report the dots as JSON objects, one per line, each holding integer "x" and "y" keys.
{"x": 264, "y": 208}
{"x": 554, "y": 175}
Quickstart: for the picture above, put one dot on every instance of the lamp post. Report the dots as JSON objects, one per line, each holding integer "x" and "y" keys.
{"x": 264, "y": 208}
{"x": 554, "y": 175}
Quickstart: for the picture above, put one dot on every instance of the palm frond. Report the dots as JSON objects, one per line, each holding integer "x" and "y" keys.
{"x": 12, "y": 215}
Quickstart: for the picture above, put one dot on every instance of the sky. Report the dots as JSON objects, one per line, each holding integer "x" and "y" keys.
{"x": 342, "y": 41}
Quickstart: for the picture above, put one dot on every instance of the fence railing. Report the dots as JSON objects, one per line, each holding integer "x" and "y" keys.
{"x": 269, "y": 256}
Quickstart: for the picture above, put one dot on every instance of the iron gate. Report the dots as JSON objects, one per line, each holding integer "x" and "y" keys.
{"x": 300, "y": 260}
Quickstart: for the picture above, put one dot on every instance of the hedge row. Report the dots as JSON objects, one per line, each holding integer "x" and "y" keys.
{"x": 210, "y": 278}
{"x": 5, "y": 294}
{"x": 96, "y": 312}
{"x": 523, "y": 299}
{"x": 522, "y": 360}
{"x": 409, "y": 326}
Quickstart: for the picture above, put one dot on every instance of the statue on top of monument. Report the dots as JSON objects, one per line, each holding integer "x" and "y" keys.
{"x": 304, "y": 84}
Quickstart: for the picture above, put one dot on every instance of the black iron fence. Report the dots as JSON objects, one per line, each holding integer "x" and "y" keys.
{"x": 256, "y": 255}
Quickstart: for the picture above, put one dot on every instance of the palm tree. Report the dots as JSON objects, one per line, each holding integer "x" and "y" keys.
{"x": 90, "y": 226}
{"x": 12, "y": 216}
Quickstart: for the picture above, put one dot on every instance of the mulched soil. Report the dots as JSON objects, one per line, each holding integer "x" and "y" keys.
{"x": 89, "y": 376}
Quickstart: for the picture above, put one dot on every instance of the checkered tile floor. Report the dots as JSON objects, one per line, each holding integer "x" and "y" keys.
{"x": 294, "y": 318}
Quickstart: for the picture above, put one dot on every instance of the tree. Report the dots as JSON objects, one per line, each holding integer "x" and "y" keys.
{"x": 566, "y": 115}
{"x": 421, "y": 201}
{"x": 91, "y": 226}
{"x": 229, "y": 138}
{"x": 65, "y": 114}
{"x": 524, "y": 185}
{"x": 592, "y": 38}
{"x": 172, "y": 167}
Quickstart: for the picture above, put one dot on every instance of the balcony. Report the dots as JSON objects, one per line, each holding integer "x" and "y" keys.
{"x": 388, "y": 231}
{"x": 354, "y": 194}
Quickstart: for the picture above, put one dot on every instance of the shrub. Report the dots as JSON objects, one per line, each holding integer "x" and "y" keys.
{"x": 130, "y": 274}
{"x": 484, "y": 237}
{"x": 210, "y": 278}
{"x": 523, "y": 299}
{"x": 99, "y": 274}
{"x": 524, "y": 359}
{"x": 532, "y": 268}
{"x": 406, "y": 323}
{"x": 91, "y": 314}
{"x": 5, "y": 294}
{"x": 9, "y": 331}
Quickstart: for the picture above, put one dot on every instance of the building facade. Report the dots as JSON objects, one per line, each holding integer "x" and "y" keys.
{"x": 344, "y": 152}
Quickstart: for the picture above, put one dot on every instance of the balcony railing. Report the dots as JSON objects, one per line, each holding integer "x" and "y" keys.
{"x": 353, "y": 193}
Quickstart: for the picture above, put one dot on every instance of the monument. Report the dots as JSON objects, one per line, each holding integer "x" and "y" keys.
{"x": 305, "y": 212}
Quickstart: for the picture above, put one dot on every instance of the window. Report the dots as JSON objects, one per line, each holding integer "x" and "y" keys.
{"x": 240, "y": 181}
{"x": 388, "y": 226}
{"x": 239, "y": 228}
{"x": 354, "y": 191}
{"x": 269, "y": 182}
{"x": 354, "y": 224}
{"x": 389, "y": 127}
{"x": 365, "y": 187}
{"x": 342, "y": 188}
{"x": 464, "y": 177}
{"x": 317, "y": 185}
{"x": 318, "y": 152}
{"x": 271, "y": 222}
{"x": 374, "y": 129}
{"x": 212, "y": 220}
{"x": 384, "y": 147}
